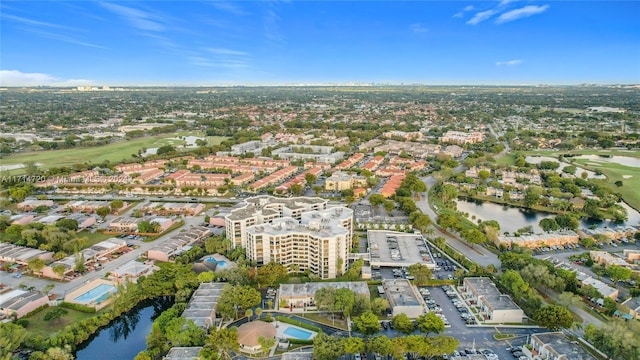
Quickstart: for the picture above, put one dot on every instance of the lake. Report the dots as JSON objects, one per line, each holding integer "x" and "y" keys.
{"x": 511, "y": 219}
{"x": 126, "y": 336}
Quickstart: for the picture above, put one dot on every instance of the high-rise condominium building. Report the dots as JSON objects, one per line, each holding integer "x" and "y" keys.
{"x": 301, "y": 233}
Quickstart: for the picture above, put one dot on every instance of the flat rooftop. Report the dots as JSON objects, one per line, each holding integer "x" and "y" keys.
{"x": 398, "y": 249}
{"x": 400, "y": 293}
{"x": 202, "y": 306}
{"x": 485, "y": 288}
{"x": 563, "y": 346}
{"x": 183, "y": 353}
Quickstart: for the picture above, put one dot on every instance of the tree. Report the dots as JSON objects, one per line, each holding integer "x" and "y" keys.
{"x": 272, "y": 273}
{"x": 11, "y": 336}
{"x": 447, "y": 192}
{"x": 325, "y": 298}
{"x": 618, "y": 339}
{"x": 554, "y": 317}
{"x": 474, "y": 236}
{"x": 182, "y": 332}
{"x": 610, "y": 306}
{"x": 484, "y": 175}
{"x": 58, "y": 269}
{"x": 548, "y": 224}
{"x": 379, "y": 344}
{"x": 55, "y": 314}
{"x": 36, "y": 264}
{"x": 296, "y": 189}
{"x": 379, "y": 305}
{"x": 430, "y": 323}
{"x": 352, "y": 345}
{"x": 448, "y": 221}
{"x": 67, "y": 224}
{"x": 237, "y": 298}
{"x": 116, "y": 205}
{"x": 166, "y": 149}
{"x": 421, "y": 273}
{"x": 148, "y": 227}
{"x": 617, "y": 273}
{"x": 222, "y": 342}
{"x": 79, "y": 266}
{"x": 310, "y": 178}
{"x": 266, "y": 344}
{"x": 103, "y": 212}
{"x": 439, "y": 345}
{"x": 345, "y": 299}
{"x": 367, "y": 323}
{"x": 248, "y": 314}
{"x": 402, "y": 323}
{"x": 326, "y": 347}
{"x": 207, "y": 276}
{"x": 568, "y": 299}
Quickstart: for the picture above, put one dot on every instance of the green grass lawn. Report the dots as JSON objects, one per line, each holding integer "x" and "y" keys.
{"x": 326, "y": 319}
{"x": 94, "y": 238}
{"x": 616, "y": 172}
{"x": 38, "y": 326}
{"x": 112, "y": 152}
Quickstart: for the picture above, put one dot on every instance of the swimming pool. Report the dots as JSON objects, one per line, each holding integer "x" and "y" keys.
{"x": 298, "y": 333}
{"x": 97, "y": 294}
{"x": 221, "y": 263}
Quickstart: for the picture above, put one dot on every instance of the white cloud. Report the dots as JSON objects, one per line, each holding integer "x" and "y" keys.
{"x": 137, "y": 18}
{"x": 229, "y": 7}
{"x": 204, "y": 61}
{"x": 506, "y": 2}
{"x": 18, "y": 78}
{"x": 31, "y": 22}
{"x": 418, "y": 28}
{"x": 481, "y": 16}
{"x": 227, "y": 52}
{"x": 523, "y": 12}
{"x": 509, "y": 63}
{"x": 464, "y": 10}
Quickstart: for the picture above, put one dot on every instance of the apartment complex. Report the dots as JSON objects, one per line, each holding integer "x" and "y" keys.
{"x": 494, "y": 306}
{"x": 540, "y": 240}
{"x": 555, "y": 346}
{"x": 297, "y": 232}
{"x": 459, "y": 137}
{"x": 339, "y": 181}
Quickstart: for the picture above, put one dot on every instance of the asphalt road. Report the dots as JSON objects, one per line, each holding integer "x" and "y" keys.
{"x": 477, "y": 254}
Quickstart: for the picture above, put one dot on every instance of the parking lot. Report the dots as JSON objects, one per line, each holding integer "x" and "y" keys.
{"x": 396, "y": 249}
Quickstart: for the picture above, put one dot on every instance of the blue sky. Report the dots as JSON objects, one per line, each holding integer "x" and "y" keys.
{"x": 296, "y": 42}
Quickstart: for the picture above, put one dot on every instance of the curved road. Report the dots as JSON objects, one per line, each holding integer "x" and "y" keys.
{"x": 477, "y": 254}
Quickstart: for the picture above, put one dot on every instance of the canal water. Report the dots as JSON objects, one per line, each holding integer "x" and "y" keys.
{"x": 126, "y": 336}
{"x": 511, "y": 219}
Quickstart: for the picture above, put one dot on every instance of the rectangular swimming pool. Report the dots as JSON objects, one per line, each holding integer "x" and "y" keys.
{"x": 298, "y": 333}
{"x": 97, "y": 294}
